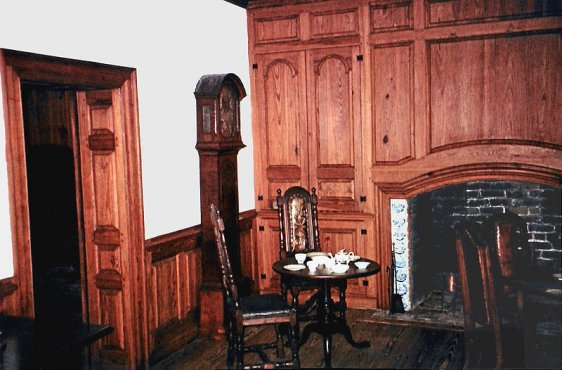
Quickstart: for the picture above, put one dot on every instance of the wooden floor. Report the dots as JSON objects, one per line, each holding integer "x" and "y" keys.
{"x": 392, "y": 346}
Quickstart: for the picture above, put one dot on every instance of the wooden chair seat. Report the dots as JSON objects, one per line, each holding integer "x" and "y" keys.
{"x": 264, "y": 307}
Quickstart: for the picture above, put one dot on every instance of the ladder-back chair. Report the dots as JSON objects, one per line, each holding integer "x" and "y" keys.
{"x": 252, "y": 310}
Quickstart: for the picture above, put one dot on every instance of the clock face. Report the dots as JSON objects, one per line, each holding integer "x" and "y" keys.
{"x": 228, "y": 105}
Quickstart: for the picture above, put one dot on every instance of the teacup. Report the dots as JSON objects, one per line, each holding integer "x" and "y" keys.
{"x": 312, "y": 265}
{"x": 300, "y": 257}
{"x": 322, "y": 260}
{"x": 362, "y": 264}
{"x": 339, "y": 268}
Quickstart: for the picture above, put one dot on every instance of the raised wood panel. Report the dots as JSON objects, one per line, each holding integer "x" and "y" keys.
{"x": 496, "y": 90}
{"x": 393, "y": 94}
{"x": 105, "y": 212}
{"x": 334, "y": 122}
{"x": 268, "y": 242}
{"x": 336, "y": 235}
{"x": 334, "y": 85}
{"x": 284, "y": 146}
{"x": 111, "y": 311}
{"x": 391, "y": 16}
{"x": 175, "y": 277}
{"x": 465, "y": 11}
{"x": 248, "y": 255}
{"x": 334, "y": 23}
{"x": 166, "y": 289}
{"x": 277, "y": 29}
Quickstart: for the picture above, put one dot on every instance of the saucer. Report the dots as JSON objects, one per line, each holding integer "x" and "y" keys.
{"x": 316, "y": 254}
{"x": 294, "y": 267}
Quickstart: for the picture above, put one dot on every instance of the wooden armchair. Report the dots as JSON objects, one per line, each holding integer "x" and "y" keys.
{"x": 253, "y": 310}
{"x": 491, "y": 339}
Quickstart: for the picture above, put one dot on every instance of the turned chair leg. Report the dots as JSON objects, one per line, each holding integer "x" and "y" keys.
{"x": 295, "y": 294}
{"x": 240, "y": 348}
{"x": 231, "y": 338}
{"x": 293, "y": 339}
{"x": 284, "y": 291}
{"x": 280, "y": 344}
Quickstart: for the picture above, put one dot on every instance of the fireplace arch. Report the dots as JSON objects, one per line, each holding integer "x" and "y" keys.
{"x": 547, "y": 170}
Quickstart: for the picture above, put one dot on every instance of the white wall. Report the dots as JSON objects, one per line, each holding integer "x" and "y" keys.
{"x": 171, "y": 44}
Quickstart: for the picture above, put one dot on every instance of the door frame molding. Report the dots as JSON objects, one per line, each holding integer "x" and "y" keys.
{"x": 15, "y": 67}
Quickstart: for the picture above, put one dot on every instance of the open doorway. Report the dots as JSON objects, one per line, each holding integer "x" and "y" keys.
{"x": 50, "y": 147}
{"x": 94, "y": 105}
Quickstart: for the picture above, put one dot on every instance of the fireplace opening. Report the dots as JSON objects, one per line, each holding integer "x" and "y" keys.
{"x": 424, "y": 239}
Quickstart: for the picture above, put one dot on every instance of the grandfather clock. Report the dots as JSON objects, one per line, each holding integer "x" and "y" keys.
{"x": 218, "y": 142}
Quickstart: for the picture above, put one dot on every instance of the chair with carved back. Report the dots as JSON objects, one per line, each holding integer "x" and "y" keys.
{"x": 491, "y": 339}
{"x": 298, "y": 233}
{"x": 253, "y": 310}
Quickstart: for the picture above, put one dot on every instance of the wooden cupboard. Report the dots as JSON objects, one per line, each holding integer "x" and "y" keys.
{"x": 310, "y": 100}
{"x": 373, "y": 100}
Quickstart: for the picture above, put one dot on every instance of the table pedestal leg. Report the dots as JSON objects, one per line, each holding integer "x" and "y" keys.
{"x": 328, "y": 324}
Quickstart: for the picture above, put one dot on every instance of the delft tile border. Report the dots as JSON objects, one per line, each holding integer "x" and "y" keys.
{"x": 400, "y": 241}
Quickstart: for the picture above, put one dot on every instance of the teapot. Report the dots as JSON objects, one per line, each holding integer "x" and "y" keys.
{"x": 342, "y": 257}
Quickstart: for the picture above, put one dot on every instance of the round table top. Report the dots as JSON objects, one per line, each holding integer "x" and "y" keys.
{"x": 322, "y": 273}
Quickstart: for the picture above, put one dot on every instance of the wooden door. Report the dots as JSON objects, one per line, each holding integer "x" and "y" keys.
{"x": 334, "y": 93}
{"x": 105, "y": 210}
{"x": 281, "y": 147}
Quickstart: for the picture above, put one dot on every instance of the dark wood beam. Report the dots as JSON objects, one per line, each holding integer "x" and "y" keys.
{"x": 240, "y": 3}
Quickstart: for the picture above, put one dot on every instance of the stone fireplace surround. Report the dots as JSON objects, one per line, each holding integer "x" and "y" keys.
{"x": 424, "y": 241}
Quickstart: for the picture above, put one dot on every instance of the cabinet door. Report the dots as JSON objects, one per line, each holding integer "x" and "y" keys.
{"x": 353, "y": 236}
{"x": 280, "y": 141}
{"x": 268, "y": 253}
{"x": 334, "y": 94}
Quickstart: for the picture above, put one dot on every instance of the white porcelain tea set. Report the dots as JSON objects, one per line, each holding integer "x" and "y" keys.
{"x": 337, "y": 263}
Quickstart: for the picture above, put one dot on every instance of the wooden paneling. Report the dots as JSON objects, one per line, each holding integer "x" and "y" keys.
{"x": 420, "y": 94}
{"x": 277, "y": 29}
{"x": 393, "y": 94}
{"x": 283, "y": 150}
{"x": 353, "y": 235}
{"x": 268, "y": 253}
{"x": 465, "y": 11}
{"x": 334, "y": 23}
{"x": 496, "y": 89}
{"x": 248, "y": 257}
{"x": 391, "y": 16}
{"x": 335, "y": 99}
{"x": 174, "y": 279}
{"x": 102, "y": 181}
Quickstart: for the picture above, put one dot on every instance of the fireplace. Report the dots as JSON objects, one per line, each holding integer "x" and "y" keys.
{"x": 423, "y": 230}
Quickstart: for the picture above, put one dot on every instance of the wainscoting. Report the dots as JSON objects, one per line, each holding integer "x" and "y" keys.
{"x": 174, "y": 276}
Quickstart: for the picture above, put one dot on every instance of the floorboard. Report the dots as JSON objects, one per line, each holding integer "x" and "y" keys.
{"x": 392, "y": 346}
